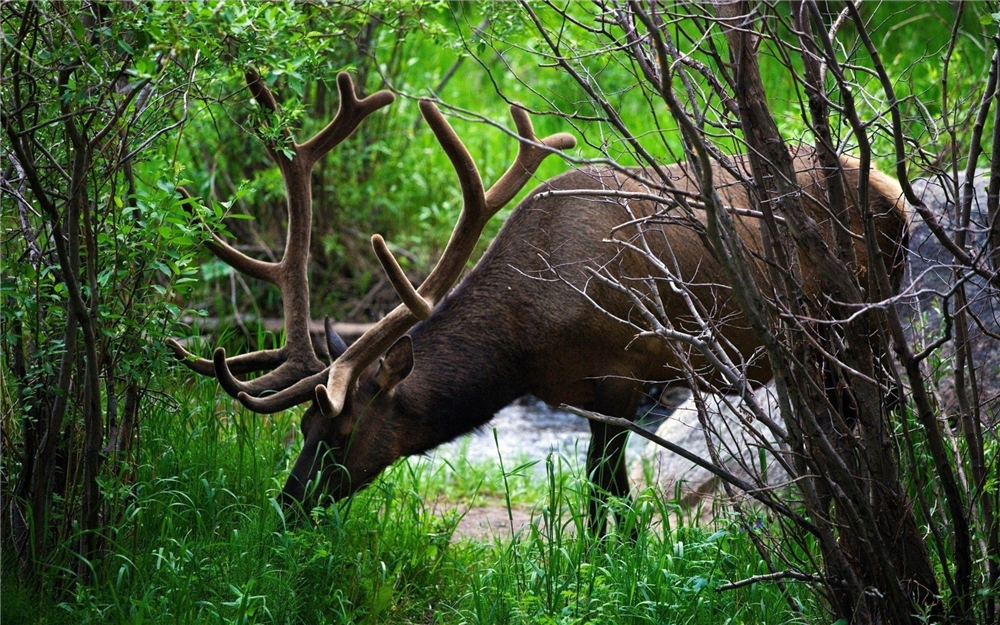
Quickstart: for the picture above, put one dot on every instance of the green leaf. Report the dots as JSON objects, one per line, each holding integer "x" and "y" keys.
{"x": 717, "y": 535}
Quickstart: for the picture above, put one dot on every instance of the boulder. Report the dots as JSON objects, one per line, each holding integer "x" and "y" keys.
{"x": 739, "y": 449}
{"x": 930, "y": 275}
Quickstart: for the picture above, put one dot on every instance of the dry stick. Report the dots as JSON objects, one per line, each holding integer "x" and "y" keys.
{"x": 665, "y": 48}
{"x": 993, "y": 192}
{"x": 832, "y": 169}
{"x": 771, "y": 577}
{"x": 924, "y": 411}
{"x": 970, "y": 414}
{"x": 881, "y": 276}
{"x": 747, "y": 487}
{"x": 897, "y": 132}
{"x": 992, "y": 209}
{"x": 719, "y": 222}
{"x": 23, "y": 206}
{"x": 207, "y": 325}
{"x": 939, "y": 541}
{"x": 613, "y": 117}
{"x": 722, "y": 228}
{"x": 707, "y": 430}
{"x": 818, "y": 104}
{"x": 847, "y": 490}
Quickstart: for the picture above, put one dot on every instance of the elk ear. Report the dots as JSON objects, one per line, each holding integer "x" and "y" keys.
{"x": 334, "y": 344}
{"x": 396, "y": 364}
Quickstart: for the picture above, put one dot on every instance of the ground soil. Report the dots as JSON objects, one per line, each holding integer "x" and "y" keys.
{"x": 486, "y": 523}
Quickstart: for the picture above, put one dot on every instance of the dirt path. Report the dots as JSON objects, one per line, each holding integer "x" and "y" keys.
{"x": 489, "y": 522}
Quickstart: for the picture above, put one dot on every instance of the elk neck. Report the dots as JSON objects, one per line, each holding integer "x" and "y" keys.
{"x": 466, "y": 367}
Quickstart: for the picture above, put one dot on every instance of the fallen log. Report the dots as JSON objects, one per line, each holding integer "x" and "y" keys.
{"x": 207, "y": 326}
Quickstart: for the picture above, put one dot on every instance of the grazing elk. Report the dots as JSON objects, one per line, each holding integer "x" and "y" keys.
{"x": 525, "y": 319}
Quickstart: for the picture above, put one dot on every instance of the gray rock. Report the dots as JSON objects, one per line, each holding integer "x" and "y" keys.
{"x": 930, "y": 276}
{"x": 739, "y": 450}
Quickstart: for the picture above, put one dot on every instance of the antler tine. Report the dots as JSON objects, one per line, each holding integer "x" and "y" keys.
{"x": 420, "y": 307}
{"x": 192, "y": 362}
{"x": 473, "y": 218}
{"x": 530, "y": 155}
{"x": 259, "y": 90}
{"x": 299, "y": 393}
{"x": 351, "y": 113}
{"x": 264, "y": 97}
{"x": 289, "y": 371}
{"x": 244, "y": 363}
{"x": 479, "y": 206}
{"x": 473, "y": 196}
{"x": 477, "y": 209}
{"x": 471, "y": 221}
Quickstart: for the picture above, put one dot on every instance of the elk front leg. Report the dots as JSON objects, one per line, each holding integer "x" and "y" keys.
{"x": 606, "y": 456}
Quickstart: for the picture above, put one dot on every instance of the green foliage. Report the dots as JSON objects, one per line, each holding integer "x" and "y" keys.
{"x": 201, "y": 540}
{"x": 98, "y": 254}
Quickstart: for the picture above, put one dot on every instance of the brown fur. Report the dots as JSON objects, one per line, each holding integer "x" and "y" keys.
{"x": 515, "y": 326}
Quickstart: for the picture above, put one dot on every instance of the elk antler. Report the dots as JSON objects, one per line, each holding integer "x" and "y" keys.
{"x": 330, "y": 388}
{"x": 297, "y": 359}
{"x": 477, "y": 209}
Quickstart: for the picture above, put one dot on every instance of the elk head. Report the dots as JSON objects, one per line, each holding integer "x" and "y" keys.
{"x": 348, "y": 432}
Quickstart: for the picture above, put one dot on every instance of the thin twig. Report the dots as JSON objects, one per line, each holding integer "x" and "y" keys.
{"x": 773, "y": 577}
{"x": 754, "y": 491}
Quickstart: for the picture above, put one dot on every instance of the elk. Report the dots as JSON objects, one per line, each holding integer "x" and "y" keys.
{"x": 526, "y": 319}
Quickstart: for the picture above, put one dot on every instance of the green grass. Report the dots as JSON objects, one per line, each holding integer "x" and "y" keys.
{"x": 201, "y": 541}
